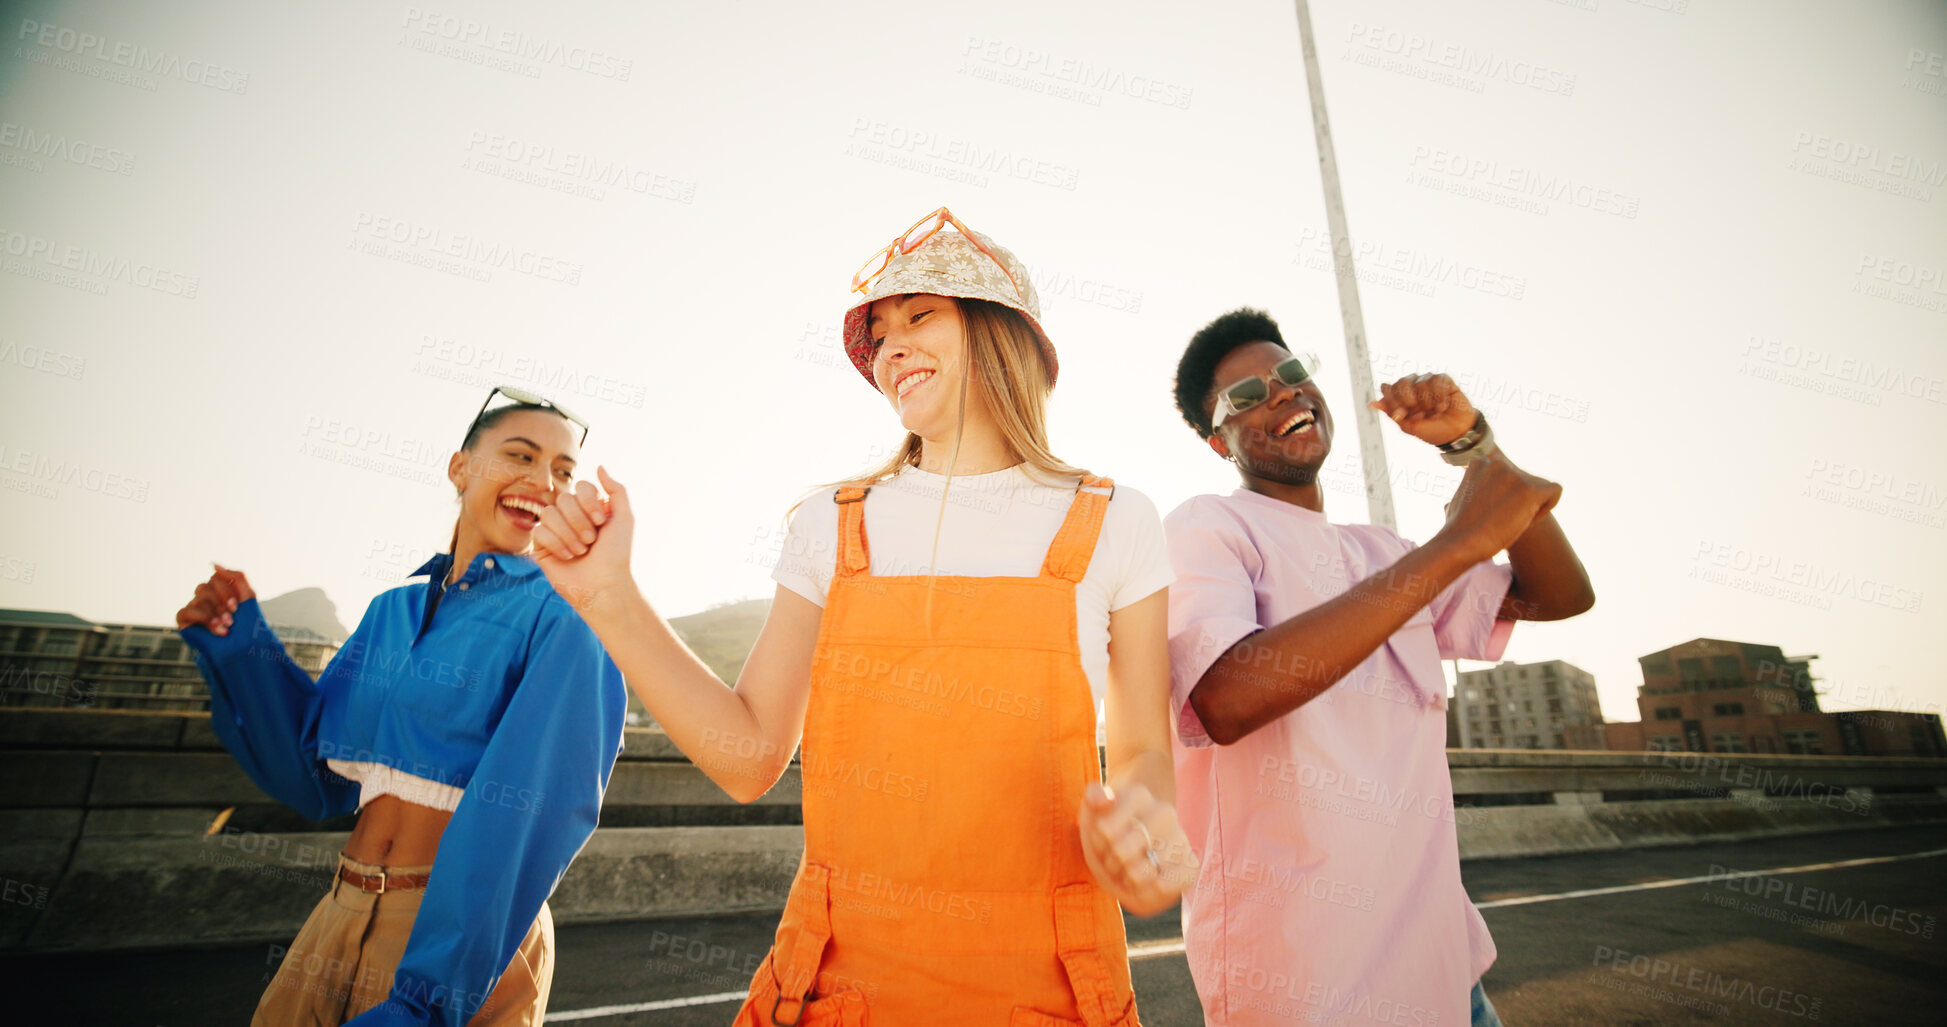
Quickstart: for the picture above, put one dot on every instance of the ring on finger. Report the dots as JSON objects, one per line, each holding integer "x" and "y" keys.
{"x": 1149, "y": 847}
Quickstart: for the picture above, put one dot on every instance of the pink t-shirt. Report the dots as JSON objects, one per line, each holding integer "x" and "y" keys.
{"x": 1330, "y": 890}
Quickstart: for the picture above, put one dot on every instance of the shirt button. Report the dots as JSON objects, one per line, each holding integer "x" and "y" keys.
{"x": 464, "y": 586}
{"x": 490, "y": 563}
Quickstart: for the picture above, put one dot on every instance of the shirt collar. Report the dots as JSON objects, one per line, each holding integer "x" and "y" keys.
{"x": 434, "y": 567}
{"x": 1259, "y": 499}
{"x": 518, "y": 566}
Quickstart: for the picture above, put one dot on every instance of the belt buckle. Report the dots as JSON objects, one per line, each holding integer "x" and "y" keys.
{"x": 381, "y": 890}
{"x": 802, "y": 1001}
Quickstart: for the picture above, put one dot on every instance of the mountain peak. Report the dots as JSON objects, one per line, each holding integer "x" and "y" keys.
{"x": 307, "y": 608}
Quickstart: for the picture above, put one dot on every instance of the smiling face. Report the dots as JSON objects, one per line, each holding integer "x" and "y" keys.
{"x": 919, "y": 360}
{"x": 1287, "y": 437}
{"x": 514, "y": 469}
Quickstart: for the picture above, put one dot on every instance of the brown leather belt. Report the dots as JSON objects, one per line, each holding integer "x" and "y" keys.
{"x": 382, "y": 882}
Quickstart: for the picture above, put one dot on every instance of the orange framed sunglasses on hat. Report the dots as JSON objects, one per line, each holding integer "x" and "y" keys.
{"x": 910, "y": 240}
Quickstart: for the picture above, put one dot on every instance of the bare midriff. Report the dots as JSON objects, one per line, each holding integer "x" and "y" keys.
{"x": 395, "y": 833}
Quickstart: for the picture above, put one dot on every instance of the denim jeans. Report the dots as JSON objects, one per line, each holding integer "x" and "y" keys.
{"x": 1483, "y": 1010}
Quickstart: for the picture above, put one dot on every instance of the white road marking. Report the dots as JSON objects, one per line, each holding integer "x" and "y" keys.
{"x": 1523, "y": 900}
{"x": 1170, "y": 947}
{"x": 1152, "y": 949}
{"x": 646, "y": 1007}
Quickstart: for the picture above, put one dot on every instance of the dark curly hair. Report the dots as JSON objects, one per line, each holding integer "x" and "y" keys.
{"x": 1196, "y": 372}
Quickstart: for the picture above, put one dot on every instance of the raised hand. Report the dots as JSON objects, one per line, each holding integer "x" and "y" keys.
{"x": 1135, "y": 848}
{"x": 583, "y": 541}
{"x": 1429, "y": 407}
{"x": 215, "y": 600}
{"x": 1495, "y": 504}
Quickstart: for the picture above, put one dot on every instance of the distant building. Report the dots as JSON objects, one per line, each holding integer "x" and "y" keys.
{"x": 1712, "y": 695}
{"x": 58, "y": 659}
{"x": 1549, "y": 705}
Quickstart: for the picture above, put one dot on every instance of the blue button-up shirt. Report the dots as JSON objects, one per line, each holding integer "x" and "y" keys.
{"x": 499, "y": 689}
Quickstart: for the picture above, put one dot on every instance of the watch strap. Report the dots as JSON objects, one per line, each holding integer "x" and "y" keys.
{"x": 1476, "y": 443}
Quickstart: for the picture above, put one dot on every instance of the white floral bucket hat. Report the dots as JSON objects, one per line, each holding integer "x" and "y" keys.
{"x": 925, "y": 259}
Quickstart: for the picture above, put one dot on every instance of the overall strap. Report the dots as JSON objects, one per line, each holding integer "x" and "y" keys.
{"x": 808, "y": 909}
{"x": 853, "y": 556}
{"x": 1074, "y": 544}
{"x": 1099, "y": 997}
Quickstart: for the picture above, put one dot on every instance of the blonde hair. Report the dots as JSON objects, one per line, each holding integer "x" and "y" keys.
{"x": 1005, "y": 371}
{"x": 1010, "y": 376}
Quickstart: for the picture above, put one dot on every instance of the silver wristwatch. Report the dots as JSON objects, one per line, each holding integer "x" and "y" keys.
{"x": 1477, "y": 443}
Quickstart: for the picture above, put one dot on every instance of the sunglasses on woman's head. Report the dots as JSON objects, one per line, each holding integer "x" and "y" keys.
{"x": 910, "y": 240}
{"x": 525, "y": 398}
{"x": 1246, "y": 393}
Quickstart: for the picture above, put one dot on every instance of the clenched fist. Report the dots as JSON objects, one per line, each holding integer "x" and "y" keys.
{"x": 215, "y": 600}
{"x": 584, "y": 540}
{"x": 1135, "y": 848}
{"x": 1429, "y": 407}
{"x": 1495, "y": 504}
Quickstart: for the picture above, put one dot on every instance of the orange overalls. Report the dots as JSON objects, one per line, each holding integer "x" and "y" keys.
{"x": 943, "y": 767}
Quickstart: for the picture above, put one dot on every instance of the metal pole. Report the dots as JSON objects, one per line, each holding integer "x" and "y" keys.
{"x": 1372, "y": 447}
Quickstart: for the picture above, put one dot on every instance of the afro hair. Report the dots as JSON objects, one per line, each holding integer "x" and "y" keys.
{"x": 1196, "y": 372}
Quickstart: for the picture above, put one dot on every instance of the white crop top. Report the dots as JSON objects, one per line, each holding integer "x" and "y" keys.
{"x": 376, "y": 779}
{"x": 997, "y": 524}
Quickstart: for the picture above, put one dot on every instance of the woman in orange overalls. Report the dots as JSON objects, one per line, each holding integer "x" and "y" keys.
{"x": 963, "y": 862}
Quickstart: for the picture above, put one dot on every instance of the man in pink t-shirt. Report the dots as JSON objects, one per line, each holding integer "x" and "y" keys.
{"x": 1310, "y": 709}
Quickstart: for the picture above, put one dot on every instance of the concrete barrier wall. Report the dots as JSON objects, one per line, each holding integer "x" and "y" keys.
{"x": 106, "y": 847}
{"x": 145, "y": 892}
{"x": 162, "y": 892}
{"x": 28, "y": 727}
{"x": 1512, "y": 831}
{"x": 1503, "y": 771}
{"x": 107, "y": 780}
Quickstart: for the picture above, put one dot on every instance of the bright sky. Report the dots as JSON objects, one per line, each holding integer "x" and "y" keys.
{"x": 263, "y": 262}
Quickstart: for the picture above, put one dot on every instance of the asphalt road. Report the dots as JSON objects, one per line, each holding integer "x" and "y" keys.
{"x": 1849, "y": 944}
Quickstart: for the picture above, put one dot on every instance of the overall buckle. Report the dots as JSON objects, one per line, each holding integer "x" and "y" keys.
{"x": 775, "y": 1003}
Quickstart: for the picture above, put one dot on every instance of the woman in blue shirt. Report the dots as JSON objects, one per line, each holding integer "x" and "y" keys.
{"x": 472, "y": 720}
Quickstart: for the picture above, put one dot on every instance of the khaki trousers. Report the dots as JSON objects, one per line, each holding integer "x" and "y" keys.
{"x": 343, "y": 960}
